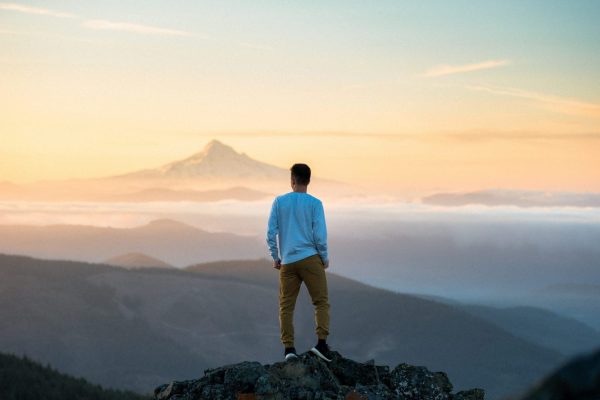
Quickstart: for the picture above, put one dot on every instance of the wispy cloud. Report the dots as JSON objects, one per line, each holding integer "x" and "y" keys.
{"x": 442, "y": 70}
{"x": 474, "y": 136}
{"x": 559, "y": 104}
{"x": 132, "y": 27}
{"x": 99, "y": 24}
{"x": 35, "y": 10}
{"x": 299, "y": 134}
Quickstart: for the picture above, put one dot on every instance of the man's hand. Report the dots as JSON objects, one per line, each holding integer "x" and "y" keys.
{"x": 276, "y": 264}
{"x": 326, "y": 264}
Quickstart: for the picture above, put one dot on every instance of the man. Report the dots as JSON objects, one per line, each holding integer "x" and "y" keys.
{"x": 298, "y": 219}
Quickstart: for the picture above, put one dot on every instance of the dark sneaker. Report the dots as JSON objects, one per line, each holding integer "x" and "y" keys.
{"x": 322, "y": 351}
{"x": 290, "y": 353}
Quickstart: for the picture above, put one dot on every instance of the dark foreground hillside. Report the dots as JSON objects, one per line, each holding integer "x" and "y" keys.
{"x": 23, "y": 379}
{"x": 577, "y": 379}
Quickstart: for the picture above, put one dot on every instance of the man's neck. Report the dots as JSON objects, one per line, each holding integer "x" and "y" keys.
{"x": 300, "y": 189}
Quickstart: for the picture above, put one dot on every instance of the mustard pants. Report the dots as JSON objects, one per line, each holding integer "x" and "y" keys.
{"x": 311, "y": 271}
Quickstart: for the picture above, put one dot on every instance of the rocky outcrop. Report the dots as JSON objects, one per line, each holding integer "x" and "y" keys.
{"x": 310, "y": 378}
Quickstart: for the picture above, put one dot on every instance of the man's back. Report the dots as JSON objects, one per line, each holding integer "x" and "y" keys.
{"x": 299, "y": 220}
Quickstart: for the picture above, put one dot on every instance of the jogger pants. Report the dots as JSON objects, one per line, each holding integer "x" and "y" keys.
{"x": 311, "y": 271}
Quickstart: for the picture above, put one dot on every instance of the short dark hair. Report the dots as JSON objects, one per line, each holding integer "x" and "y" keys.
{"x": 301, "y": 173}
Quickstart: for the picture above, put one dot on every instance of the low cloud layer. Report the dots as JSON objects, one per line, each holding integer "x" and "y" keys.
{"x": 519, "y": 198}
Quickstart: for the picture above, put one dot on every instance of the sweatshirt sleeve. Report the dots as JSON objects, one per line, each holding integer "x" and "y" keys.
{"x": 272, "y": 231}
{"x": 320, "y": 231}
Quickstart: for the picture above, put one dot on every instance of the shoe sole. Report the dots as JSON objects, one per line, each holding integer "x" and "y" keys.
{"x": 319, "y": 354}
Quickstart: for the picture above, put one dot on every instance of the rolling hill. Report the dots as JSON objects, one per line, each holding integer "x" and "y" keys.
{"x": 174, "y": 242}
{"x": 135, "y": 329}
{"x": 136, "y": 260}
{"x": 540, "y": 326}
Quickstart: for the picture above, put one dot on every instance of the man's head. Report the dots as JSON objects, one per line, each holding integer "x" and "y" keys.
{"x": 300, "y": 174}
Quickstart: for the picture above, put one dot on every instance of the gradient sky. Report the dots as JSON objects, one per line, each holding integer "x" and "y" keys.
{"x": 417, "y": 95}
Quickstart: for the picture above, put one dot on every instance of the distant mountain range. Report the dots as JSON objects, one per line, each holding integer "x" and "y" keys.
{"x": 136, "y": 260}
{"x": 519, "y": 198}
{"x": 139, "y": 328}
{"x": 174, "y": 242}
{"x": 540, "y": 326}
{"x": 217, "y": 172}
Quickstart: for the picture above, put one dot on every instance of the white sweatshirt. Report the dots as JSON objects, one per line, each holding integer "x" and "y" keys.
{"x": 299, "y": 221}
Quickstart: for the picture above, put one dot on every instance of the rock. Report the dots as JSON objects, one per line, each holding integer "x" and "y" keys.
{"x": 350, "y": 372}
{"x": 169, "y": 391}
{"x": 310, "y": 378}
{"x": 242, "y": 377}
{"x": 410, "y": 382}
{"x": 307, "y": 372}
{"x": 371, "y": 392}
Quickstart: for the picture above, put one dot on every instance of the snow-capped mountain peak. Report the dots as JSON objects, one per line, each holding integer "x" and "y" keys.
{"x": 215, "y": 160}
{"x": 214, "y": 149}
